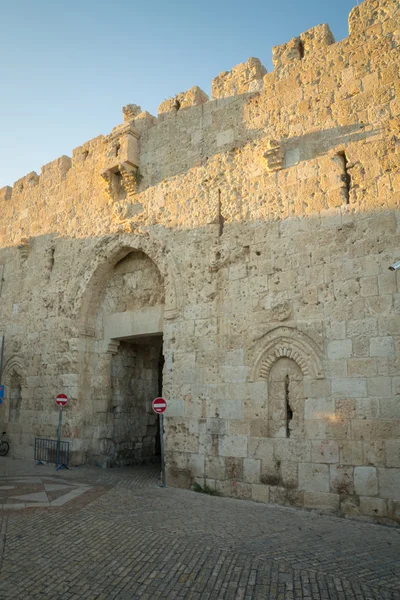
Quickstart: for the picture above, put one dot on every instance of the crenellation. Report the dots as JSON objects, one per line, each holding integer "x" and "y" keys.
{"x": 130, "y": 112}
{"x": 144, "y": 121}
{"x": 5, "y": 193}
{"x": 56, "y": 170}
{"x": 244, "y": 78}
{"x": 193, "y": 97}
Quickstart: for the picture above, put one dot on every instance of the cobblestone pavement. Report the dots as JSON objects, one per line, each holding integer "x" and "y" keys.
{"x": 126, "y": 538}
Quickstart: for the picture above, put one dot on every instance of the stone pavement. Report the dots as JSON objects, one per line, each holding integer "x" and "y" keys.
{"x": 115, "y": 534}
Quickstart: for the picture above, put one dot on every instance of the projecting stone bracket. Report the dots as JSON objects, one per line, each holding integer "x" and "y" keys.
{"x": 121, "y": 172}
{"x": 125, "y": 176}
{"x": 24, "y": 248}
{"x": 274, "y": 156}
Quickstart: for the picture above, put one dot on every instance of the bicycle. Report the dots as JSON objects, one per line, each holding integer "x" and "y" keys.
{"x": 4, "y": 446}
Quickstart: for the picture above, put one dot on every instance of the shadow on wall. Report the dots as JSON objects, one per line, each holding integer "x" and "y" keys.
{"x": 285, "y": 152}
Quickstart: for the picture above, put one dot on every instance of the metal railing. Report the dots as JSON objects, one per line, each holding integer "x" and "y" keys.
{"x": 51, "y": 451}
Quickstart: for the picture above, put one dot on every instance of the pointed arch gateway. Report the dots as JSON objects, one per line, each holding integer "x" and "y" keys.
{"x": 104, "y": 255}
{"x": 123, "y": 296}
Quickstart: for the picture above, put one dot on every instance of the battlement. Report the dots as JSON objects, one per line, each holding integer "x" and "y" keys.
{"x": 312, "y": 57}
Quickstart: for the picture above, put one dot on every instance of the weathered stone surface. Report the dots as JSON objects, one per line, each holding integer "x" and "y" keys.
{"x": 366, "y": 481}
{"x": 313, "y": 478}
{"x": 231, "y": 255}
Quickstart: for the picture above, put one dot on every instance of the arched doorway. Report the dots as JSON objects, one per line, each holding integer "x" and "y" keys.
{"x": 124, "y": 361}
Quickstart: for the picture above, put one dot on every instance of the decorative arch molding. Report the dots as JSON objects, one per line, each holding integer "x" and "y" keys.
{"x": 103, "y": 257}
{"x": 14, "y": 365}
{"x": 290, "y": 343}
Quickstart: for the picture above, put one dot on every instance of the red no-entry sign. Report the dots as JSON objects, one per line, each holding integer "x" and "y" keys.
{"x": 159, "y": 405}
{"x": 61, "y": 400}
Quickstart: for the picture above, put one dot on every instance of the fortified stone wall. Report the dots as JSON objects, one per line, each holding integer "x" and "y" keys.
{"x": 270, "y": 216}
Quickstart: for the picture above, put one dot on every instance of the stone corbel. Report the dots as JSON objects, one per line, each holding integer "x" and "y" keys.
{"x": 121, "y": 163}
{"x": 274, "y": 156}
{"x": 24, "y": 248}
{"x": 129, "y": 178}
{"x": 113, "y": 346}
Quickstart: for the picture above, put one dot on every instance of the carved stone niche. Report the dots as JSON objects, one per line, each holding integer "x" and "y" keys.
{"x": 121, "y": 172}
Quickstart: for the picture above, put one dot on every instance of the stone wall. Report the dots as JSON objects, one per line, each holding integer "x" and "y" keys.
{"x": 268, "y": 216}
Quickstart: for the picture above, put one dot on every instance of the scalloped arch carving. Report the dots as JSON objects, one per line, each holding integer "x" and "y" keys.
{"x": 14, "y": 365}
{"x": 83, "y": 297}
{"x": 290, "y": 343}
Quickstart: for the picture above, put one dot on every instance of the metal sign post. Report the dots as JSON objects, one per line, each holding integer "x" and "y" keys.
{"x": 1, "y": 368}
{"x": 59, "y": 438}
{"x": 159, "y": 406}
{"x": 61, "y": 400}
{"x": 163, "y": 483}
{"x": 1, "y": 355}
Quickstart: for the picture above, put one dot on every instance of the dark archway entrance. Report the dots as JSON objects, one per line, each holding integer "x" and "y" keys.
{"x": 136, "y": 379}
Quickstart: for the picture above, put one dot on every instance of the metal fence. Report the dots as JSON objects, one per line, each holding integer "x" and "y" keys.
{"x": 52, "y": 451}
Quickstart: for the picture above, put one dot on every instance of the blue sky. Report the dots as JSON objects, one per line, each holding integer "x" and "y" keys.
{"x": 67, "y": 68}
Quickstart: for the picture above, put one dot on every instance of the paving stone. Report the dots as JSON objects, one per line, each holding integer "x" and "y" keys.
{"x": 136, "y": 540}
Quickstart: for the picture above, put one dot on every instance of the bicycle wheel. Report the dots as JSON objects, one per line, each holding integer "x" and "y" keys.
{"x": 4, "y": 448}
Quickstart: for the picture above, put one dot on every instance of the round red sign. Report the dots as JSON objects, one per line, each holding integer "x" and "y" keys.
{"x": 61, "y": 400}
{"x": 159, "y": 405}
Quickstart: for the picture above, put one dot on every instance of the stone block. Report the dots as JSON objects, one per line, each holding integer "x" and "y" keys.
{"x": 237, "y": 81}
{"x": 261, "y": 448}
{"x": 317, "y": 388}
{"x": 233, "y": 445}
{"x": 278, "y": 495}
{"x": 389, "y": 408}
{"x": 234, "y": 468}
{"x": 292, "y": 450}
{"x": 336, "y": 330}
{"x": 196, "y": 464}
{"x": 230, "y": 409}
{"x": 367, "y": 408}
{"x": 258, "y": 391}
{"x": 193, "y": 97}
{"x": 373, "y": 507}
{"x": 325, "y": 452}
{"x": 374, "y": 453}
{"x": 5, "y": 193}
{"x": 215, "y": 467}
{"x": 321, "y": 501}
{"x": 389, "y": 484}
{"x": 258, "y": 428}
{"x": 319, "y": 408}
{"x": 260, "y": 493}
{"x": 350, "y": 505}
{"x": 289, "y": 474}
{"x": 238, "y": 427}
{"x": 342, "y": 479}
{"x": 379, "y": 386}
{"x": 234, "y": 489}
{"x": 393, "y": 453}
{"x": 366, "y": 481}
{"x": 251, "y": 470}
{"x": 225, "y": 137}
{"x": 362, "y": 367}
{"x": 316, "y": 430}
{"x": 369, "y": 286}
{"x": 339, "y": 349}
{"x": 381, "y": 346}
{"x": 387, "y": 283}
{"x": 350, "y": 388}
{"x": 313, "y": 478}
